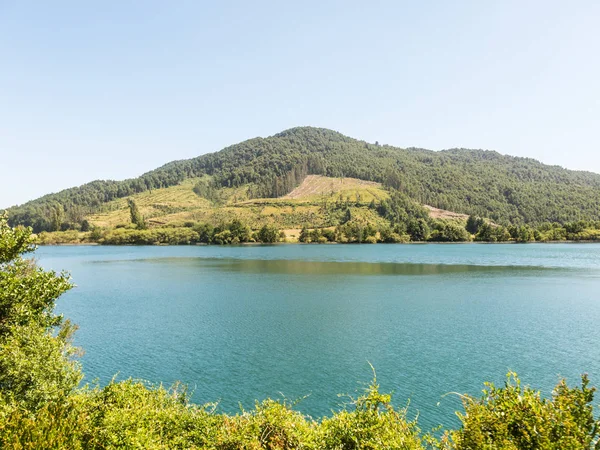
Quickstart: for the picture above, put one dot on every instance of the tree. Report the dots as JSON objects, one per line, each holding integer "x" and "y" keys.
{"x": 418, "y": 229}
{"x": 473, "y": 224}
{"x": 449, "y": 232}
{"x": 347, "y": 216}
{"x": 576, "y": 227}
{"x": 304, "y": 235}
{"x": 268, "y": 234}
{"x": 525, "y": 234}
{"x": 357, "y": 231}
{"x": 136, "y": 217}
{"x": 392, "y": 178}
{"x": 315, "y": 235}
{"x": 85, "y": 225}
{"x": 240, "y": 232}
{"x": 223, "y": 237}
{"x": 205, "y": 232}
{"x": 56, "y": 217}
{"x": 489, "y": 233}
{"x": 35, "y": 350}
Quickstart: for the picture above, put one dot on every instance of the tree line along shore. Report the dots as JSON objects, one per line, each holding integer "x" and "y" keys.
{"x": 393, "y": 220}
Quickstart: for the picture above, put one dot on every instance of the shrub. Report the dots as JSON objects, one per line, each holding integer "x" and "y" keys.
{"x": 58, "y": 237}
{"x": 374, "y": 424}
{"x": 54, "y": 426}
{"x": 513, "y": 417}
{"x": 135, "y": 414}
{"x": 271, "y": 425}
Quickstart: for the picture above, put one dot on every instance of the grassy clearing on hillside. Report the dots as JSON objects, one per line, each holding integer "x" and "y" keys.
{"x": 304, "y": 207}
{"x": 315, "y": 187}
{"x": 154, "y": 205}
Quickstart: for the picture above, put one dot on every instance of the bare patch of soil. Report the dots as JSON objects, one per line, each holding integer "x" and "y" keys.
{"x": 437, "y": 213}
{"x": 319, "y": 185}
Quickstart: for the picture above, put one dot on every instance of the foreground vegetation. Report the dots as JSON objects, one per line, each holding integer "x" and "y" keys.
{"x": 507, "y": 190}
{"x": 42, "y": 404}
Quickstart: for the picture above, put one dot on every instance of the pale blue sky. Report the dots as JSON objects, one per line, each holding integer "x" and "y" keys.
{"x": 112, "y": 89}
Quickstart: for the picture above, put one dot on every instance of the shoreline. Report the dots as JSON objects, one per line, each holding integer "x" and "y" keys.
{"x": 250, "y": 244}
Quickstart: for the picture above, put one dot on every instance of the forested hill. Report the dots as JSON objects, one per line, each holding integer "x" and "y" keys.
{"x": 485, "y": 183}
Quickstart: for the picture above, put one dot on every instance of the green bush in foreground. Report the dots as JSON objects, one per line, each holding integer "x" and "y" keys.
{"x": 131, "y": 414}
{"x": 41, "y": 406}
{"x": 373, "y": 424}
{"x": 513, "y": 417}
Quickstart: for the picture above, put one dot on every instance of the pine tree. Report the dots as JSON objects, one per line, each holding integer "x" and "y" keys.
{"x": 136, "y": 217}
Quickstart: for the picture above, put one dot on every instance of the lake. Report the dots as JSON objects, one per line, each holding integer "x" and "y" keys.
{"x": 303, "y": 322}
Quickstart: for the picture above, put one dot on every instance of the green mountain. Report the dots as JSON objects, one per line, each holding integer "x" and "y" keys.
{"x": 505, "y": 189}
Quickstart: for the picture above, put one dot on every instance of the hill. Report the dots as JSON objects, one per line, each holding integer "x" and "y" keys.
{"x": 505, "y": 189}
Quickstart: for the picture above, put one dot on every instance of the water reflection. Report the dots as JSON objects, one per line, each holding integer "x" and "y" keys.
{"x": 329, "y": 268}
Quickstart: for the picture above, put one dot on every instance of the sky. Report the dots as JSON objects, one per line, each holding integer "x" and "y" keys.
{"x": 113, "y": 89}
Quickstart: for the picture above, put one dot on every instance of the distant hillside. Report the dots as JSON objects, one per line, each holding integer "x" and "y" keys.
{"x": 319, "y": 202}
{"x": 503, "y": 188}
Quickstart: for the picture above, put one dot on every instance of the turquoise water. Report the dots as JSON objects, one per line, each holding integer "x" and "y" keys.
{"x": 243, "y": 323}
